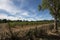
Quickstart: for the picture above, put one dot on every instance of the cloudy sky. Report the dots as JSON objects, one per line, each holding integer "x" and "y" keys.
{"x": 22, "y": 10}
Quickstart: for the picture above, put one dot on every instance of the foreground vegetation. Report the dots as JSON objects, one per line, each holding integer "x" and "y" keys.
{"x": 41, "y": 33}
{"x": 37, "y": 33}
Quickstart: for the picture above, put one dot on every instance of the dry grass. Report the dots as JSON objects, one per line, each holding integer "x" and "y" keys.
{"x": 27, "y": 32}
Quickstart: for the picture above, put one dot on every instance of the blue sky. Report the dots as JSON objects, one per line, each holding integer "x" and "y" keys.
{"x": 22, "y": 10}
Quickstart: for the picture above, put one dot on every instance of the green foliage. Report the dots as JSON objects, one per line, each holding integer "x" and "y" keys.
{"x": 39, "y": 7}
{"x": 53, "y": 6}
{"x": 13, "y": 24}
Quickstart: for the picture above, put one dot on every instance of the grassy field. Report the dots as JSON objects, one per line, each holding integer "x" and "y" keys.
{"x": 27, "y": 31}
{"x": 29, "y": 23}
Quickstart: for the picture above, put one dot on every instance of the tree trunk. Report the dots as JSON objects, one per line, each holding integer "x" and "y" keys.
{"x": 55, "y": 23}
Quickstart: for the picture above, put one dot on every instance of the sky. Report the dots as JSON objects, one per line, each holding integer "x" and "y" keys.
{"x": 22, "y": 10}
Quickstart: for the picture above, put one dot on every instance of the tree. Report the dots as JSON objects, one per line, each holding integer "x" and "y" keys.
{"x": 54, "y": 7}
{"x": 4, "y": 20}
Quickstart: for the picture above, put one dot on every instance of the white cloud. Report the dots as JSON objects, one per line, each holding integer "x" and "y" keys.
{"x": 24, "y": 13}
{"x": 30, "y": 19}
{"x": 4, "y": 16}
{"x": 9, "y": 7}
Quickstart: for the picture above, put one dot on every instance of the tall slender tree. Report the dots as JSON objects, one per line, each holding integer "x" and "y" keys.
{"x": 54, "y": 7}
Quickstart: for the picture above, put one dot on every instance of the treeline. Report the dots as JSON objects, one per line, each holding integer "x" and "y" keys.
{"x": 5, "y": 21}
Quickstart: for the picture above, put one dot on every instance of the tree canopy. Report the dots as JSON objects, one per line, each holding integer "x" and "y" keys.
{"x": 52, "y": 5}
